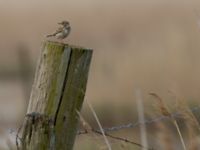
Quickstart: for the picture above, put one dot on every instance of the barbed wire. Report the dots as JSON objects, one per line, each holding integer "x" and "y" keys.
{"x": 133, "y": 125}
{"x": 116, "y": 138}
{"x": 147, "y": 122}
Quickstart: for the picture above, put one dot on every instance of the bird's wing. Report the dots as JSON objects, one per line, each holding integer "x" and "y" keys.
{"x": 60, "y": 29}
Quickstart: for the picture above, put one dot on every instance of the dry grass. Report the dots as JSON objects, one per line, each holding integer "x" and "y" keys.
{"x": 190, "y": 121}
{"x": 186, "y": 126}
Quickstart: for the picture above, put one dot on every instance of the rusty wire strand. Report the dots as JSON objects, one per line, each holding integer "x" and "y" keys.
{"x": 147, "y": 122}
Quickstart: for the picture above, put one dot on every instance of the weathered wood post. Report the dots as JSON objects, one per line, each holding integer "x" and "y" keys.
{"x": 57, "y": 94}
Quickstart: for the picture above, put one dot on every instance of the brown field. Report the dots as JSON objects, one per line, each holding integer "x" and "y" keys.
{"x": 152, "y": 45}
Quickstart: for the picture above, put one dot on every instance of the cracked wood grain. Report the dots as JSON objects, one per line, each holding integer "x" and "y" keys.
{"x": 57, "y": 94}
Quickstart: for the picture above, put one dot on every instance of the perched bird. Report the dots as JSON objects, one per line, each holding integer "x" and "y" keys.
{"x": 62, "y": 32}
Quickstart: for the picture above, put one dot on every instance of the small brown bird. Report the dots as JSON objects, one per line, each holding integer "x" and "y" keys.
{"x": 62, "y": 32}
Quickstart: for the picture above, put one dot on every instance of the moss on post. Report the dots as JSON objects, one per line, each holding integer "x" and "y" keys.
{"x": 58, "y": 92}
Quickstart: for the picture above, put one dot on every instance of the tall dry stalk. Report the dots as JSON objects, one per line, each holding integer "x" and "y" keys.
{"x": 100, "y": 126}
{"x": 88, "y": 129}
{"x": 192, "y": 124}
{"x": 165, "y": 112}
{"x": 141, "y": 118}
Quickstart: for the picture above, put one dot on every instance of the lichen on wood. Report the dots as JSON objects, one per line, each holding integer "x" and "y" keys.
{"x": 57, "y": 94}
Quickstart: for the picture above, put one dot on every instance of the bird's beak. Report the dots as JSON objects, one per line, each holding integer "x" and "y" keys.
{"x": 59, "y": 22}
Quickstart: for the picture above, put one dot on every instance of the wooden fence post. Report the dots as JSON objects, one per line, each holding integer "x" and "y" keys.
{"x": 57, "y": 94}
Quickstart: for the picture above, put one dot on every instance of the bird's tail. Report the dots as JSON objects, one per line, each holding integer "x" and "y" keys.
{"x": 50, "y": 35}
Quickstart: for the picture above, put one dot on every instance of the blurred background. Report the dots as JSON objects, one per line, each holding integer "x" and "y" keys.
{"x": 153, "y": 45}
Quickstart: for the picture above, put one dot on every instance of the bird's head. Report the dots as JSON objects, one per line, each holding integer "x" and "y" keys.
{"x": 64, "y": 23}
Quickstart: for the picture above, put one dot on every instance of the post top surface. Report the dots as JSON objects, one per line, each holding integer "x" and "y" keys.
{"x": 55, "y": 43}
